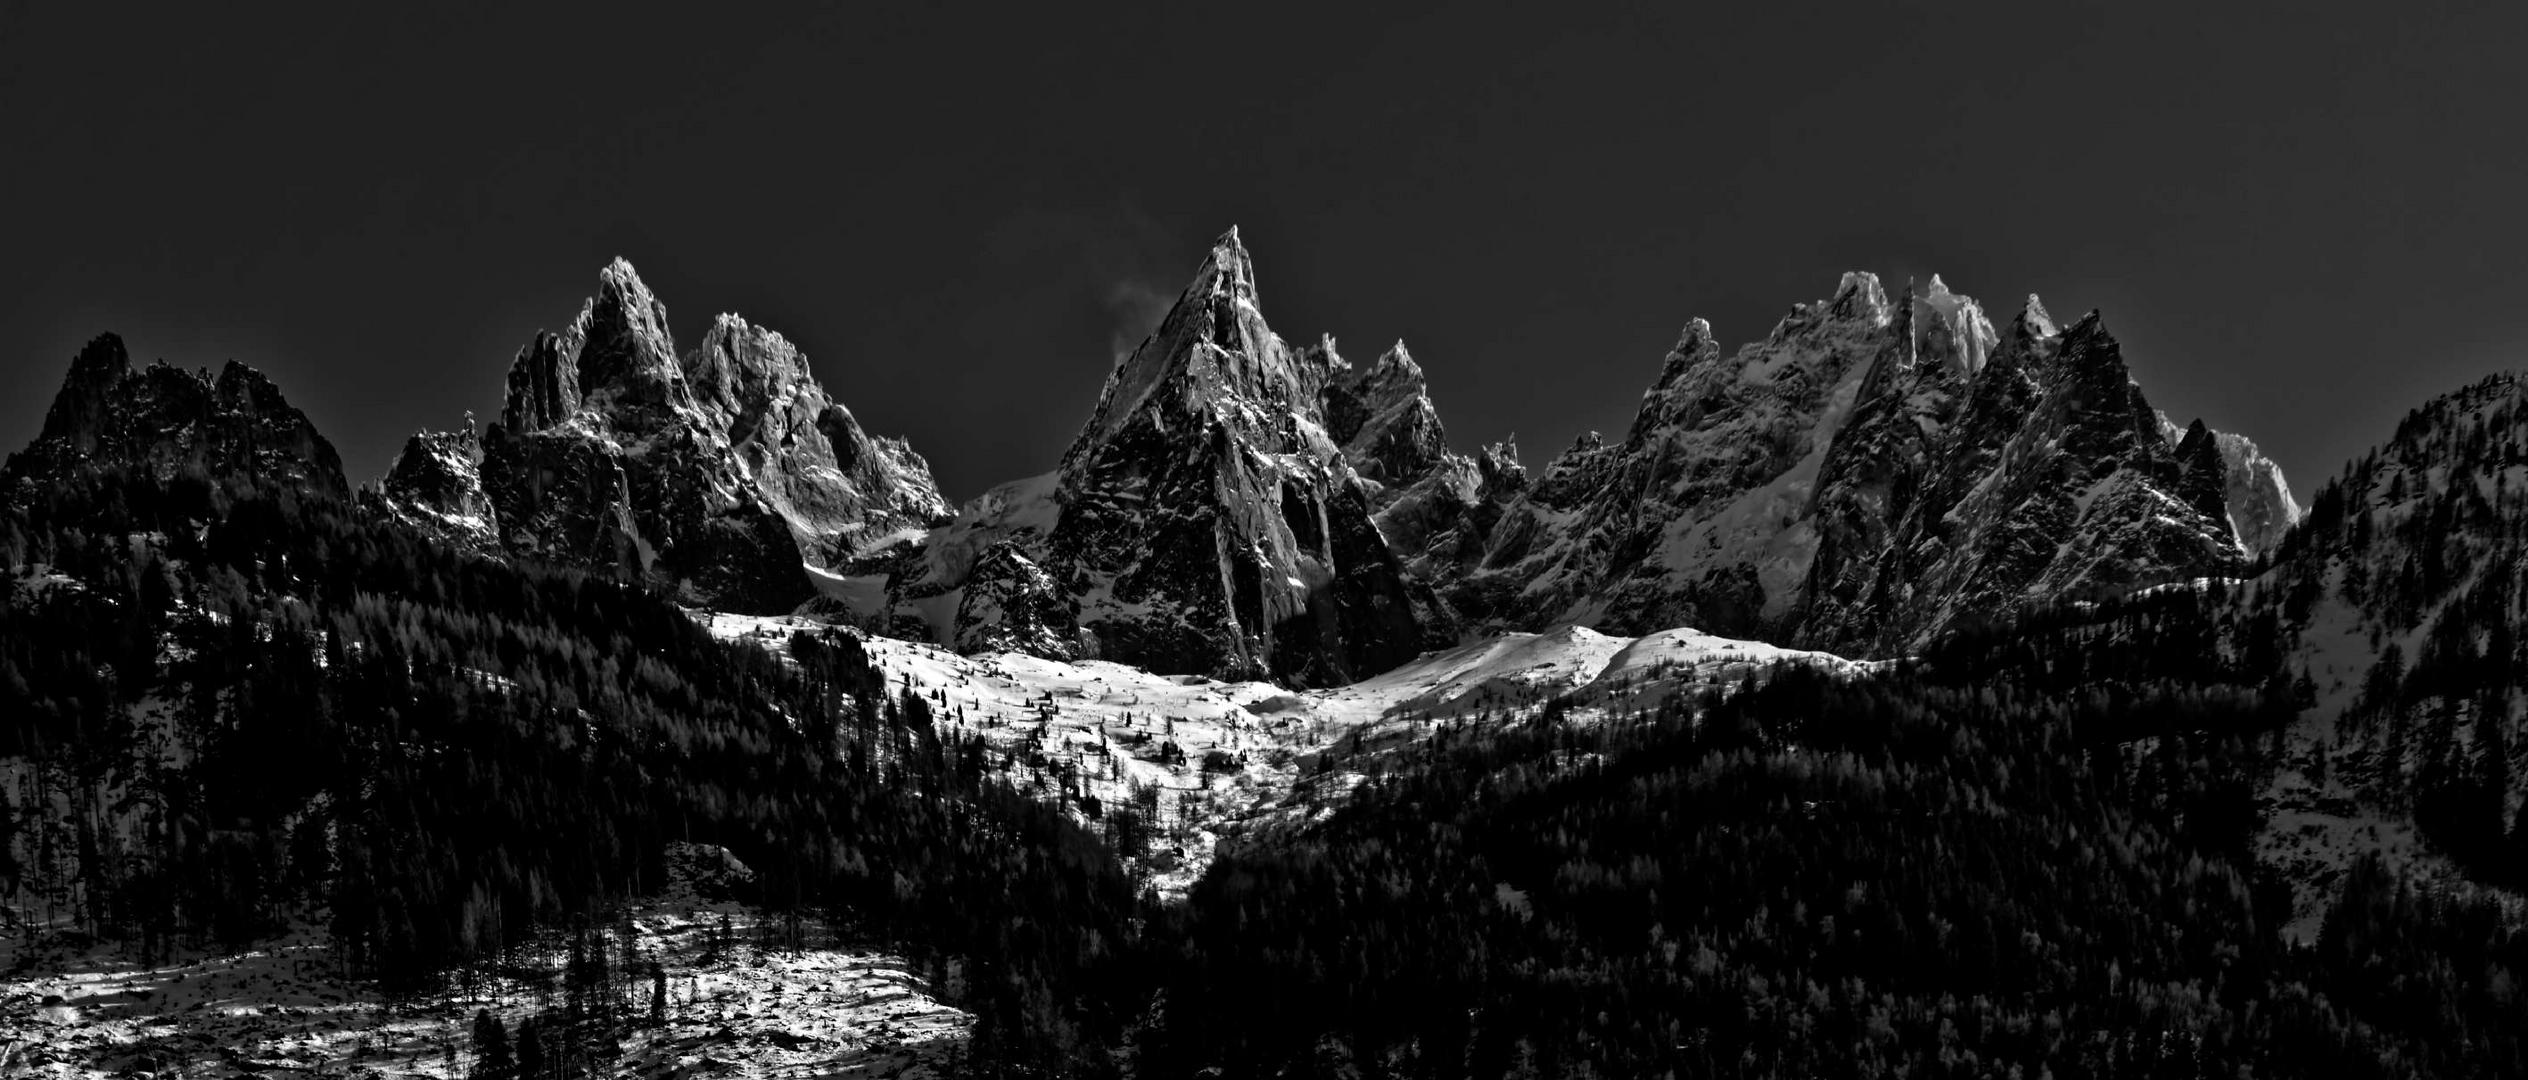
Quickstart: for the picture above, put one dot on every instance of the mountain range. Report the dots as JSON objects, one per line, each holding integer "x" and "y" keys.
{"x": 1872, "y": 472}
{"x": 1900, "y": 674}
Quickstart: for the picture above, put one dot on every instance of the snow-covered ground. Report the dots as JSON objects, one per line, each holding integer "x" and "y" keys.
{"x": 284, "y": 1008}
{"x": 1207, "y": 758}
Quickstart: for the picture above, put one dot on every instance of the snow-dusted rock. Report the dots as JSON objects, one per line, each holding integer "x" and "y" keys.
{"x": 1009, "y": 604}
{"x": 1382, "y": 417}
{"x": 436, "y": 486}
{"x": 1207, "y": 519}
{"x": 1868, "y": 475}
{"x": 2260, "y": 504}
{"x": 2045, "y": 479}
{"x": 1701, "y": 514}
{"x": 714, "y": 475}
{"x": 836, "y": 485}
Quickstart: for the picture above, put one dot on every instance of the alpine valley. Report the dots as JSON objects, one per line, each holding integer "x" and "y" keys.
{"x": 1902, "y": 693}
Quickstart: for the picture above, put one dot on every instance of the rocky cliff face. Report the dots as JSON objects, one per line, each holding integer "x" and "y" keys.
{"x": 2261, "y": 507}
{"x": 714, "y": 475}
{"x": 163, "y": 419}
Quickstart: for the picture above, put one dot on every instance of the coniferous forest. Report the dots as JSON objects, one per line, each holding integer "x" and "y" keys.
{"x": 237, "y": 706}
{"x": 2024, "y": 851}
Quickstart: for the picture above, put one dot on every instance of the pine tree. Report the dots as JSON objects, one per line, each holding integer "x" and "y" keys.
{"x": 492, "y": 1057}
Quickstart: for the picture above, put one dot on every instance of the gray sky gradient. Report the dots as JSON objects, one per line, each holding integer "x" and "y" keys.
{"x": 2300, "y": 222}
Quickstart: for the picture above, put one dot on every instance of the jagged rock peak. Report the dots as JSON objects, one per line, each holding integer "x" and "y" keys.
{"x": 2033, "y": 320}
{"x": 87, "y": 391}
{"x": 543, "y": 386}
{"x": 163, "y": 419}
{"x": 743, "y": 368}
{"x": 1859, "y": 295}
{"x": 1382, "y": 417}
{"x": 617, "y": 349}
{"x": 1668, "y": 398}
{"x": 1396, "y": 364}
{"x": 1212, "y": 348}
{"x": 103, "y": 357}
{"x": 1229, "y": 270}
{"x": 621, "y": 344}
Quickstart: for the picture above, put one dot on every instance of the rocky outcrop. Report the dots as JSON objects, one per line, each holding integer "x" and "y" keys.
{"x": 1009, "y": 604}
{"x": 436, "y": 487}
{"x": 234, "y": 426}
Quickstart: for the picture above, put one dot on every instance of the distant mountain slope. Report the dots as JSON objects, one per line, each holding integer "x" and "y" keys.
{"x": 2400, "y": 604}
{"x": 163, "y": 420}
{"x": 1870, "y": 474}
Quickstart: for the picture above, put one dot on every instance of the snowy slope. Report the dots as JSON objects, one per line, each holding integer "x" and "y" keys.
{"x": 1205, "y": 758}
{"x": 282, "y": 1007}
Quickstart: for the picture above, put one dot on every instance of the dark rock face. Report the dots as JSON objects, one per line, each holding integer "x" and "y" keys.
{"x": 713, "y": 476}
{"x": 235, "y": 425}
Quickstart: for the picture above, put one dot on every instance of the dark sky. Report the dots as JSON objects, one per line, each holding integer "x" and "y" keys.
{"x": 2300, "y": 225}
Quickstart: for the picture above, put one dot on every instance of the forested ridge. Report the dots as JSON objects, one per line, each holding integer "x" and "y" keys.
{"x": 236, "y": 706}
{"x": 1952, "y": 870}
